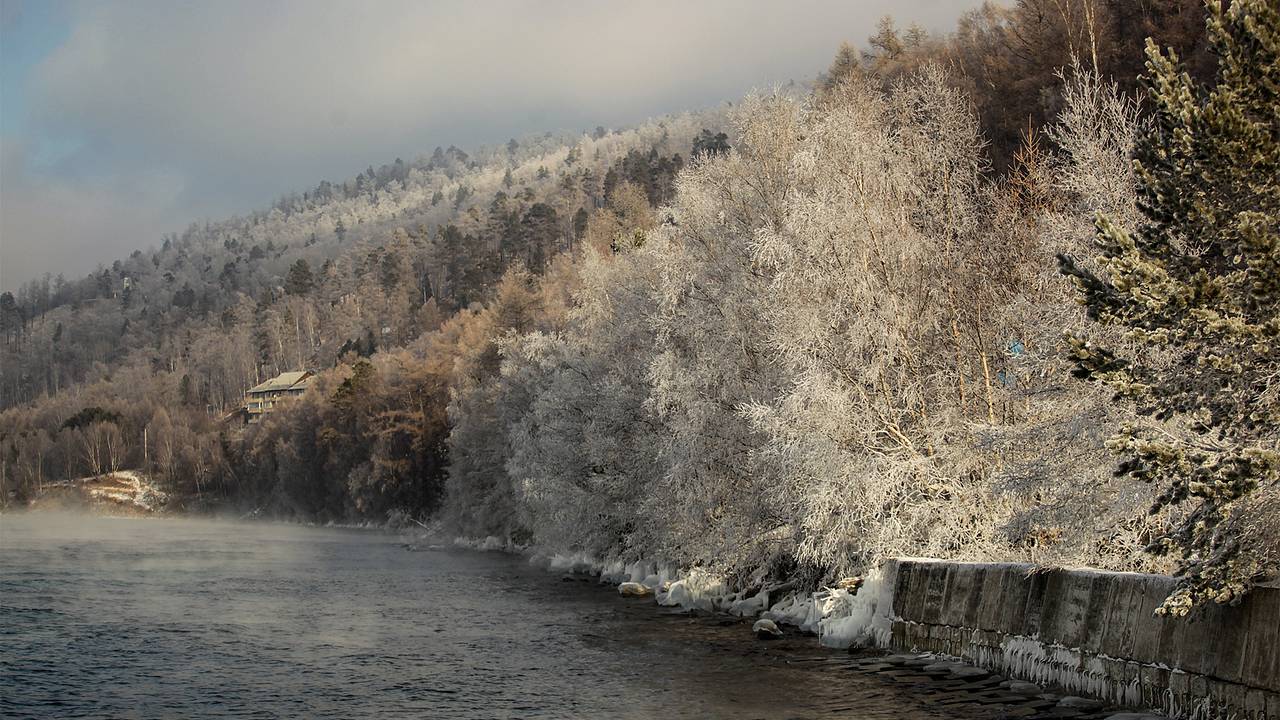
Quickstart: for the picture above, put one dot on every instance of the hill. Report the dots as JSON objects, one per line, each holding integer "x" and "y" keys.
{"x": 341, "y": 263}
{"x": 790, "y": 338}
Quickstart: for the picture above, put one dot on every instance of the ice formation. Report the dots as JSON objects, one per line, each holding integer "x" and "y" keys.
{"x": 699, "y": 590}
{"x": 858, "y": 619}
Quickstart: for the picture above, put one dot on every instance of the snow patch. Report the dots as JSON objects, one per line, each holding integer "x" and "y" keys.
{"x": 126, "y": 487}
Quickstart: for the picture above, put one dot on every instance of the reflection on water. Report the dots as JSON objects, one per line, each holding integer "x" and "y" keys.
{"x": 179, "y": 618}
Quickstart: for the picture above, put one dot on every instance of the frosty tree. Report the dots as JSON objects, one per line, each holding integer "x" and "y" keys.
{"x": 1198, "y": 285}
{"x": 584, "y": 455}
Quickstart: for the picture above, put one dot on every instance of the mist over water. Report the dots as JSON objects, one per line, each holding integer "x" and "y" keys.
{"x": 117, "y": 618}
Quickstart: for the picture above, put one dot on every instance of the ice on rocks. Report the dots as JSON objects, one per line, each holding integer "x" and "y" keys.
{"x": 750, "y": 606}
{"x": 699, "y": 590}
{"x": 633, "y": 589}
{"x": 795, "y": 609}
{"x": 766, "y": 629}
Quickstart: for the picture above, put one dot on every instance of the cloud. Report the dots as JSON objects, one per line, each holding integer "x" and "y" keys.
{"x": 50, "y": 224}
{"x": 217, "y": 107}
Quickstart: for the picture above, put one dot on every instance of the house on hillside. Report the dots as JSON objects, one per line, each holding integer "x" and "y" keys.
{"x": 262, "y": 398}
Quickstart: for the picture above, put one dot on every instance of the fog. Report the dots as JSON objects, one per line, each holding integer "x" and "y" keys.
{"x": 193, "y": 618}
{"x": 76, "y": 532}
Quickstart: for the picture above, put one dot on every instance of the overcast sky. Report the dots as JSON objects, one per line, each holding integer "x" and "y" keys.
{"x": 121, "y": 121}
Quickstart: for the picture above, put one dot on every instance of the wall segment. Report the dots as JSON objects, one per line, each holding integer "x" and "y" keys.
{"x": 1094, "y": 633}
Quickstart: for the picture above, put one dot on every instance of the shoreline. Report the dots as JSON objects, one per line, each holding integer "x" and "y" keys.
{"x": 857, "y": 620}
{"x": 857, "y": 615}
{"x": 854, "y": 612}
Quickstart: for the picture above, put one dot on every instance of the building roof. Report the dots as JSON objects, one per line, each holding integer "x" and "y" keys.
{"x": 295, "y": 380}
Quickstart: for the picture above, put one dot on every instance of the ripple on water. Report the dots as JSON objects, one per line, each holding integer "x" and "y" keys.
{"x": 163, "y": 618}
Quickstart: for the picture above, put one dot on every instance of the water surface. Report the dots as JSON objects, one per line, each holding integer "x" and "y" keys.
{"x": 151, "y": 618}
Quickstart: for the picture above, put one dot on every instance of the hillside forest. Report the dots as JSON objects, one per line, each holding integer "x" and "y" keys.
{"x": 1009, "y": 292}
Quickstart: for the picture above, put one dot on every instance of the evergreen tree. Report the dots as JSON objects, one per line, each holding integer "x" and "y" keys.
{"x": 300, "y": 280}
{"x": 460, "y": 196}
{"x": 185, "y": 392}
{"x": 842, "y": 68}
{"x": 709, "y": 143}
{"x": 369, "y": 346}
{"x": 1199, "y": 284}
{"x": 468, "y": 264}
{"x": 186, "y": 297}
{"x": 389, "y": 270}
{"x": 886, "y": 44}
{"x": 10, "y": 316}
{"x": 538, "y": 236}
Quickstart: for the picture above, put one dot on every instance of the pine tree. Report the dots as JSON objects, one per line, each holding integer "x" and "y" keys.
{"x": 842, "y": 68}
{"x": 709, "y": 143}
{"x": 1199, "y": 284}
{"x": 300, "y": 280}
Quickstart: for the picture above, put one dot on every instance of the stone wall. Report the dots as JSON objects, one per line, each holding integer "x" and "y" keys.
{"x": 1093, "y": 633}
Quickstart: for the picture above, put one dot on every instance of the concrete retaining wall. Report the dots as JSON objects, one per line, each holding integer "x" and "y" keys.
{"x": 1094, "y": 633}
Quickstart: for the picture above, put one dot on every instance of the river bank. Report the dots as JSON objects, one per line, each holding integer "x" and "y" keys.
{"x": 1007, "y": 635}
{"x": 1083, "y": 640}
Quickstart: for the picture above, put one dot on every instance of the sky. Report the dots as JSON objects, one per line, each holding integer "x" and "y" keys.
{"x": 123, "y": 121}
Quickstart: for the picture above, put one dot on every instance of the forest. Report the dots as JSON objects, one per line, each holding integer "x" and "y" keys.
{"x": 1009, "y": 292}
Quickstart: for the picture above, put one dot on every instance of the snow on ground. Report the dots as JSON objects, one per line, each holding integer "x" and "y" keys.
{"x": 122, "y": 490}
{"x": 127, "y": 487}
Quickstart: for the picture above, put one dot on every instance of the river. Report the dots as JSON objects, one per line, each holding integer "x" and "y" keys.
{"x": 159, "y": 618}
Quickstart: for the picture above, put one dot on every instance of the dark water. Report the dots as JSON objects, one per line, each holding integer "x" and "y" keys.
{"x": 149, "y": 618}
